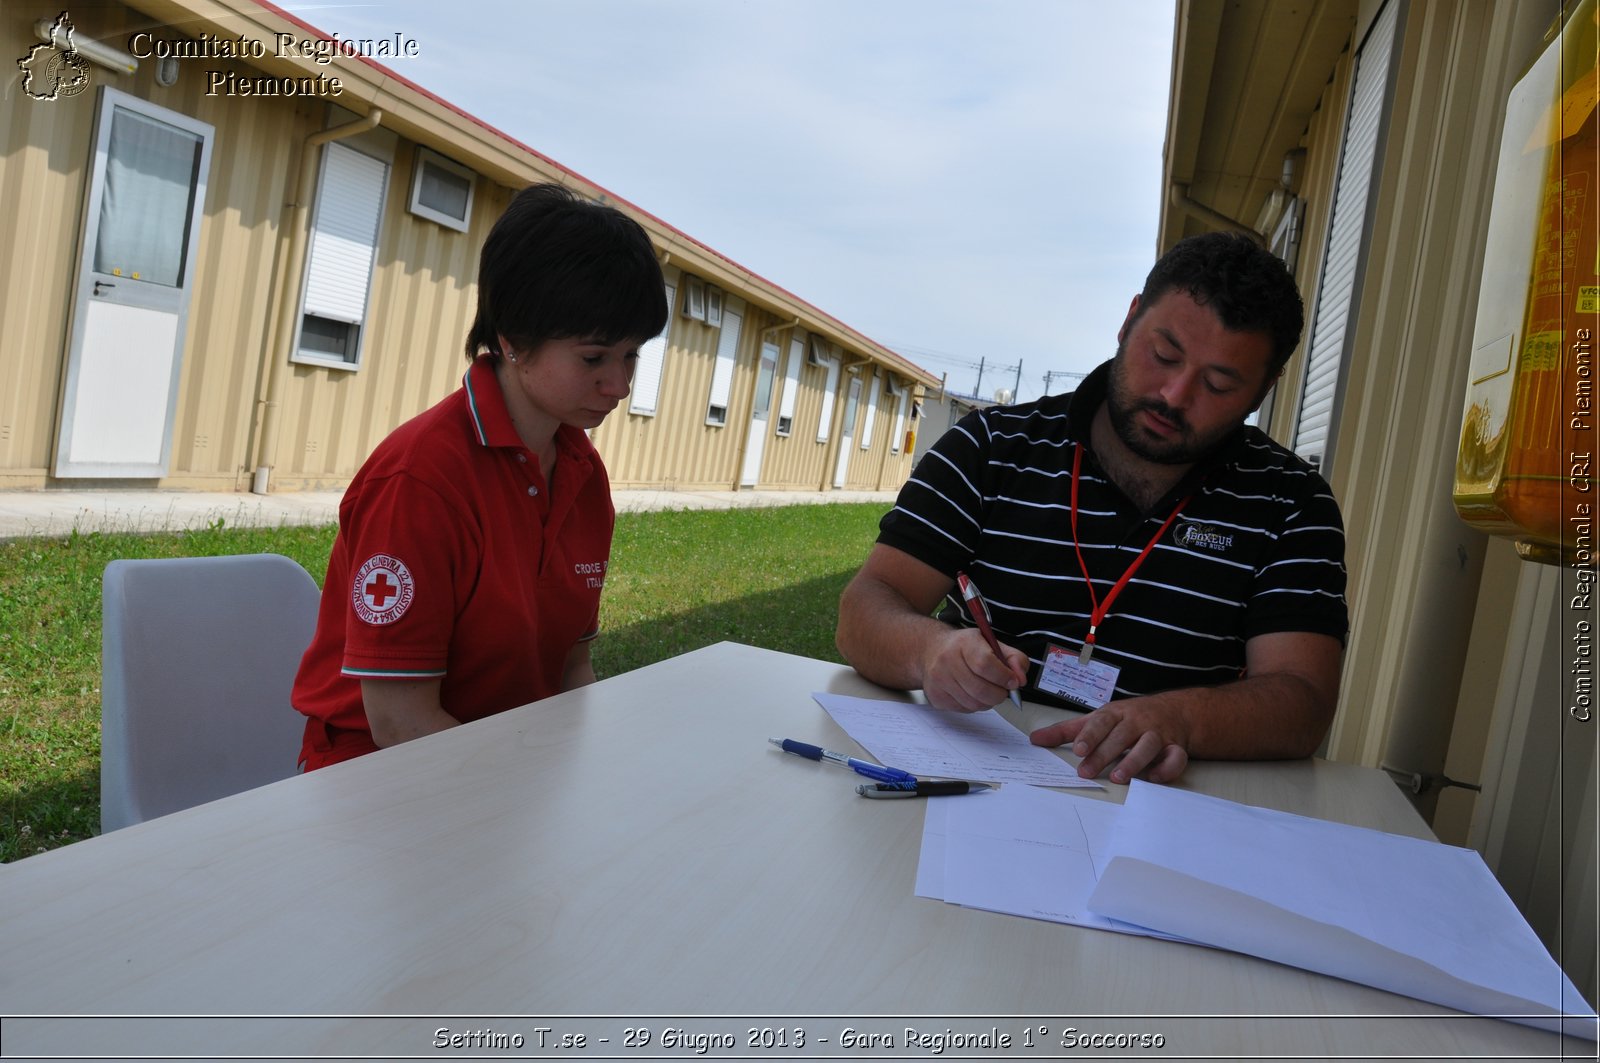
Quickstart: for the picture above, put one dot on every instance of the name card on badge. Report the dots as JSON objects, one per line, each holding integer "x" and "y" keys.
{"x": 1089, "y": 683}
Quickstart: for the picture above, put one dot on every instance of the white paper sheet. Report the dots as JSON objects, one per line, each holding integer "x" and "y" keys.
{"x": 930, "y": 860}
{"x": 1029, "y": 852}
{"x": 1402, "y": 914}
{"x": 977, "y": 746}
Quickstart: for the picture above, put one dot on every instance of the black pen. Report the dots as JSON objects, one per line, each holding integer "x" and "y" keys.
{"x": 922, "y": 789}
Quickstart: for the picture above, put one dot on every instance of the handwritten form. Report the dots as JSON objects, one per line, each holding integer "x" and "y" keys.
{"x": 976, "y": 746}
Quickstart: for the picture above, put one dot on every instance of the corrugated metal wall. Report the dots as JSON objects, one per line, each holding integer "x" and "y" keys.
{"x": 234, "y": 277}
{"x": 874, "y": 464}
{"x": 1435, "y": 655}
{"x": 44, "y": 149}
{"x": 420, "y": 307}
{"x": 423, "y": 302}
{"x": 44, "y": 169}
{"x": 798, "y": 461}
{"x": 675, "y": 448}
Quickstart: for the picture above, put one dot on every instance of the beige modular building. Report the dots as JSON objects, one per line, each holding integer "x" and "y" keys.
{"x": 235, "y": 260}
{"x": 1368, "y": 142}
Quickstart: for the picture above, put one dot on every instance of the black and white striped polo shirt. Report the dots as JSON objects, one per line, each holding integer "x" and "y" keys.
{"x": 1259, "y": 548}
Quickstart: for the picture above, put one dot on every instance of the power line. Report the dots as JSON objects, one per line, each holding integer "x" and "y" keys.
{"x": 1055, "y": 381}
{"x": 1072, "y": 380}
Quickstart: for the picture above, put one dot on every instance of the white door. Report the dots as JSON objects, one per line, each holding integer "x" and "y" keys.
{"x": 131, "y": 304}
{"x": 756, "y": 441}
{"x": 847, "y": 432}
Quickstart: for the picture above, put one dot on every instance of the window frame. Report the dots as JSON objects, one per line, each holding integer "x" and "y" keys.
{"x": 652, "y": 360}
{"x": 426, "y": 157}
{"x": 832, "y": 369}
{"x": 870, "y": 422}
{"x": 331, "y": 154}
{"x": 784, "y": 422}
{"x": 720, "y": 397}
{"x": 694, "y": 299}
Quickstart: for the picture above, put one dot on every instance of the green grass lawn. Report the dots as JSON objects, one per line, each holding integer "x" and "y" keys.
{"x": 678, "y": 581}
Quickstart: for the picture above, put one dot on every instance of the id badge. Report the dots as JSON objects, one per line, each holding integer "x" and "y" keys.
{"x": 1088, "y": 683}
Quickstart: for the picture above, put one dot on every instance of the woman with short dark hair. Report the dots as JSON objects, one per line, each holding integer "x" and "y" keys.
{"x": 472, "y": 546}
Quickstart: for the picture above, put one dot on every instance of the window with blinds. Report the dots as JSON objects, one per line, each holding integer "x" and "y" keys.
{"x": 824, "y": 358}
{"x": 872, "y": 412}
{"x": 722, "y": 375}
{"x": 1333, "y": 319}
{"x": 791, "y": 385}
{"x": 339, "y": 264}
{"x": 652, "y": 362}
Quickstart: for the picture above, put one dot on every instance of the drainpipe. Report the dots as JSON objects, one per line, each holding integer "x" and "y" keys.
{"x": 1178, "y": 194}
{"x": 779, "y": 328}
{"x": 288, "y": 293}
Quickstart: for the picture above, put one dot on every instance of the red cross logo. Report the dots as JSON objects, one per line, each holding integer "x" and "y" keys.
{"x": 382, "y": 590}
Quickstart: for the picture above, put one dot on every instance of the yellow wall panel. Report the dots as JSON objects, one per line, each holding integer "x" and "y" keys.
{"x": 420, "y": 305}
{"x": 44, "y": 150}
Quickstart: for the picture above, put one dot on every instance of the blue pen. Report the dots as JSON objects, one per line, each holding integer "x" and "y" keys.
{"x": 860, "y": 767}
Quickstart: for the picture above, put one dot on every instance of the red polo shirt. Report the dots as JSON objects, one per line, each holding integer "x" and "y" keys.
{"x": 456, "y": 560}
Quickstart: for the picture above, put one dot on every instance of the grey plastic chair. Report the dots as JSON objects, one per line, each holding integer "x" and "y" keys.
{"x": 197, "y": 658}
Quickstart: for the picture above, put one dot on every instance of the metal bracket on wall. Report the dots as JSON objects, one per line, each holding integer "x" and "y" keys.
{"x": 1418, "y": 783}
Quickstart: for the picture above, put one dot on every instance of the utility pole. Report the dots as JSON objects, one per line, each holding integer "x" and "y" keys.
{"x": 979, "y": 389}
{"x": 1016, "y": 386}
{"x": 1050, "y": 378}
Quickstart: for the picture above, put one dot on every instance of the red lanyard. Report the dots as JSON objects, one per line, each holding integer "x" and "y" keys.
{"x": 1100, "y": 609}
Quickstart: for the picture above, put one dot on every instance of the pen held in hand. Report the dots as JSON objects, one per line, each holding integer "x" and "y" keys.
{"x": 980, "y": 616}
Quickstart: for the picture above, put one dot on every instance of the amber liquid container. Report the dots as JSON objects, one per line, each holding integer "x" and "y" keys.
{"x": 1527, "y": 464}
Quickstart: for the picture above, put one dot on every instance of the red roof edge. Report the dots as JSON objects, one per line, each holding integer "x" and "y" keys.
{"x": 441, "y": 101}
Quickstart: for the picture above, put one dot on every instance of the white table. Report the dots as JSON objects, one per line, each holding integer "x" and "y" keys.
{"x": 636, "y": 851}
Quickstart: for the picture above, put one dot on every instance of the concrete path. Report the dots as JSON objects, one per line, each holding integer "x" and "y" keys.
{"x": 59, "y": 512}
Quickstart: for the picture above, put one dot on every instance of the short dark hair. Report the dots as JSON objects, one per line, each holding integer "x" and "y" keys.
{"x": 1245, "y": 285}
{"x": 557, "y": 266}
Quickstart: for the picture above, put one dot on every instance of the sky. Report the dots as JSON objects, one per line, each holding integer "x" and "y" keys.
{"x": 960, "y": 181}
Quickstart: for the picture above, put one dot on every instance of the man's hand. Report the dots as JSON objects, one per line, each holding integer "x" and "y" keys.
{"x": 961, "y": 672}
{"x": 886, "y": 634}
{"x": 1152, "y": 740}
{"x": 1281, "y": 710}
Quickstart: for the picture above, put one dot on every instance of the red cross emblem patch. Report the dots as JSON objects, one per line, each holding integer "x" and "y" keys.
{"x": 383, "y": 589}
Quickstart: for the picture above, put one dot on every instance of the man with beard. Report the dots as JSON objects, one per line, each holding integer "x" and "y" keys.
{"x": 1141, "y": 552}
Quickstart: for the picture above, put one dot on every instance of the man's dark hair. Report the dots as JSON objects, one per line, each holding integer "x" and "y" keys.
{"x": 1246, "y": 286}
{"x": 557, "y": 266}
